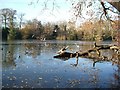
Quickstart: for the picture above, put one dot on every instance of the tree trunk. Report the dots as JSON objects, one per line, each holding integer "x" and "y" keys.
{"x": 5, "y": 21}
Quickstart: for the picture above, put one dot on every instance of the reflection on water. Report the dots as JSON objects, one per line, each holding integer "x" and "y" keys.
{"x": 30, "y": 64}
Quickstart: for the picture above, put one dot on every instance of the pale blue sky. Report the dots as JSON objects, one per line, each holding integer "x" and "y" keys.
{"x": 61, "y": 12}
{"x": 36, "y": 9}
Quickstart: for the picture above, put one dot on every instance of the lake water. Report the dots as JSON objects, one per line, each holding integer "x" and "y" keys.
{"x": 30, "y": 64}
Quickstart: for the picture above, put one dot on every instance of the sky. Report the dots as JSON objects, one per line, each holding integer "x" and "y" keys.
{"x": 35, "y": 10}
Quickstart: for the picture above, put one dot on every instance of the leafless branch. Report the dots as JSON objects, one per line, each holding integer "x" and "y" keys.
{"x": 105, "y": 12}
{"x": 53, "y": 5}
{"x": 112, "y": 11}
{"x": 101, "y": 16}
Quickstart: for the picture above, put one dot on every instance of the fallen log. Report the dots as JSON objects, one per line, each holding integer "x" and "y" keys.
{"x": 76, "y": 54}
{"x": 65, "y": 55}
{"x": 62, "y": 50}
{"x": 112, "y": 47}
{"x": 87, "y": 54}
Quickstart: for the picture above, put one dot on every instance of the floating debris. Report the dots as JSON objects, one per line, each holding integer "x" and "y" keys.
{"x": 12, "y": 78}
{"x": 15, "y": 86}
{"x": 21, "y": 86}
{"x": 26, "y": 82}
{"x": 74, "y": 82}
{"x": 40, "y": 78}
{"x": 26, "y": 79}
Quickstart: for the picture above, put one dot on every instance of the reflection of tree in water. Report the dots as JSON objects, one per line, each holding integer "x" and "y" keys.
{"x": 32, "y": 49}
{"x": 8, "y": 55}
{"x": 106, "y": 55}
{"x": 35, "y": 49}
{"x": 94, "y": 78}
{"x": 54, "y": 46}
{"x": 116, "y": 76}
{"x": 116, "y": 59}
{"x": 85, "y": 46}
{"x": 117, "y": 72}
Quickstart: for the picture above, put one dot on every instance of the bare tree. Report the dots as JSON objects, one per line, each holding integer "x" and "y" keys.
{"x": 5, "y": 15}
{"x": 79, "y": 5}
{"x": 8, "y": 16}
{"x": 12, "y": 18}
{"x": 21, "y": 20}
